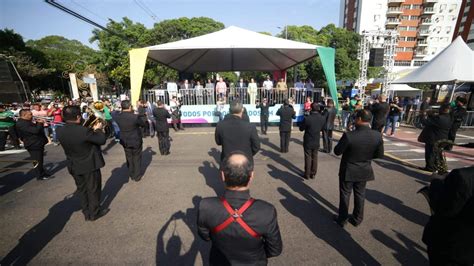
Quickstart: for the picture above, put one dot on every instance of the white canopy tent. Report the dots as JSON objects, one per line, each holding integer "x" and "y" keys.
{"x": 230, "y": 49}
{"x": 455, "y": 64}
{"x": 401, "y": 90}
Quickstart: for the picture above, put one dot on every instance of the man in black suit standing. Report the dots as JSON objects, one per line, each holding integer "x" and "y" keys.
{"x": 330, "y": 114}
{"x": 162, "y": 129}
{"x": 33, "y": 139}
{"x": 312, "y": 125}
{"x": 380, "y": 111}
{"x": 130, "y": 126}
{"x": 358, "y": 148}
{"x": 436, "y": 128}
{"x": 82, "y": 148}
{"x": 286, "y": 114}
{"x": 243, "y": 231}
{"x": 264, "y": 114}
{"x": 236, "y": 134}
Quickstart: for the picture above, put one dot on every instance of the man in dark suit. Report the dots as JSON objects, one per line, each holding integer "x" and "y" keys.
{"x": 235, "y": 134}
{"x": 358, "y": 148}
{"x": 130, "y": 126}
{"x": 312, "y": 125}
{"x": 449, "y": 233}
{"x": 162, "y": 129}
{"x": 380, "y": 111}
{"x": 33, "y": 139}
{"x": 264, "y": 114}
{"x": 243, "y": 231}
{"x": 82, "y": 148}
{"x": 458, "y": 115}
{"x": 436, "y": 128}
{"x": 286, "y": 114}
{"x": 330, "y": 115}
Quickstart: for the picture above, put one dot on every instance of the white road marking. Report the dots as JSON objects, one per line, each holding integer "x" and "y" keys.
{"x": 12, "y": 152}
{"x": 464, "y": 136}
{"x": 422, "y": 159}
{"x": 409, "y": 132}
{"x": 410, "y": 150}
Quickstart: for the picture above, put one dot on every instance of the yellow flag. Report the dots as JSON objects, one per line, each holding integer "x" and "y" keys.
{"x": 137, "y": 67}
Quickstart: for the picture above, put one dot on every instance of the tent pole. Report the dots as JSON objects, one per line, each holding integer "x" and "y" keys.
{"x": 454, "y": 90}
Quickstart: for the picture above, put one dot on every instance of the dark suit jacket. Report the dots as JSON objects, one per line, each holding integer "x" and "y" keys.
{"x": 459, "y": 114}
{"x": 31, "y": 134}
{"x": 130, "y": 133}
{"x": 330, "y": 116}
{"x": 233, "y": 245}
{"x": 379, "y": 112}
{"x": 450, "y": 231}
{"x": 436, "y": 128}
{"x": 235, "y": 134}
{"x": 82, "y": 148}
{"x": 287, "y": 114}
{"x": 312, "y": 126}
{"x": 245, "y": 115}
{"x": 265, "y": 108}
{"x": 161, "y": 115}
{"x": 358, "y": 148}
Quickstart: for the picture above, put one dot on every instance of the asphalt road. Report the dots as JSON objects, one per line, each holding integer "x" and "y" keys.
{"x": 153, "y": 221}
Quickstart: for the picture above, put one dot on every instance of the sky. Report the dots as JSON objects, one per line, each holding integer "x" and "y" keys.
{"x": 34, "y": 19}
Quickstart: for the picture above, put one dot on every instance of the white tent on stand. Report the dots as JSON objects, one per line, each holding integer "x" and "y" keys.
{"x": 454, "y": 65}
{"x": 400, "y": 90}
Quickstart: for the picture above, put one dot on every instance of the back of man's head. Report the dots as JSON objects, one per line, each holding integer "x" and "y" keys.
{"x": 383, "y": 97}
{"x": 71, "y": 112}
{"x": 286, "y": 102}
{"x": 315, "y": 107}
{"x": 125, "y": 104}
{"x": 444, "y": 109}
{"x": 237, "y": 170}
{"x": 364, "y": 115}
{"x": 236, "y": 107}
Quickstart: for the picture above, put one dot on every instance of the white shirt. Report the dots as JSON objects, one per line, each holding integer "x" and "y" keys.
{"x": 268, "y": 84}
{"x": 171, "y": 87}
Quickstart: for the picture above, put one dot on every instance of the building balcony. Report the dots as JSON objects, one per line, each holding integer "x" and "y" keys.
{"x": 395, "y": 1}
{"x": 423, "y": 33}
{"x": 428, "y": 11}
{"x": 426, "y": 22}
{"x": 422, "y": 43}
{"x": 420, "y": 54}
{"x": 393, "y": 22}
{"x": 394, "y": 11}
{"x": 430, "y": 1}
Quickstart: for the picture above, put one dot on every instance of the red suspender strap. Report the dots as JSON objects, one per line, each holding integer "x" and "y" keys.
{"x": 236, "y": 216}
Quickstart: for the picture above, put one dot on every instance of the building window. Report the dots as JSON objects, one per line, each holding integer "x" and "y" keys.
{"x": 453, "y": 8}
{"x": 439, "y": 18}
{"x": 376, "y": 18}
{"x": 410, "y": 39}
{"x": 405, "y": 6}
{"x": 411, "y": 28}
{"x": 448, "y": 29}
{"x": 413, "y": 17}
{"x": 404, "y": 17}
{"x": 442, "y": 7}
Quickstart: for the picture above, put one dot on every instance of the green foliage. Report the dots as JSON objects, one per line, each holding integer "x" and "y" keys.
{"x": 374, "y": 72}
{"x": 61, "y": 53}
{"x": 230, "y": 76}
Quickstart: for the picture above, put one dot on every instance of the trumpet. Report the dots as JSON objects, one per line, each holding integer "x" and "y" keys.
{"x": 96, "y": 115}
{"x": 9, "y": 167}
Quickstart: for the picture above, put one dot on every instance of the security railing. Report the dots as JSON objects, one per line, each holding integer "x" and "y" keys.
{"x": 246, "y": 96}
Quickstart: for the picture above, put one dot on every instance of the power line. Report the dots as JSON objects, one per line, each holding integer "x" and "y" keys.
{"x": 143, "y": 7}
{"x": 88, "y": 10}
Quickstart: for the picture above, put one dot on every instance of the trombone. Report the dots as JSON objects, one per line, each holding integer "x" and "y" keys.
{"x": 34, "y": 164}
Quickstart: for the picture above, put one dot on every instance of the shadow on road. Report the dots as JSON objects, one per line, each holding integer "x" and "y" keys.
{"x": 216, "y": 154}
{"x": 33, "y": 241}
{"x": 109, "y": 146}
{"x": 390, "y": 164}
{"x": 175, "y": 252}
{"x": 147, "y": 157}
{"x": 397, "y": 206}
{"x": 282, "y": 161}
{"x": 117, "y": 179}
{"x": 268, "y": 143}
{"x": 210, "y": 172}
{"x": 297, "y": 141}
{"x": 407, "y": 253}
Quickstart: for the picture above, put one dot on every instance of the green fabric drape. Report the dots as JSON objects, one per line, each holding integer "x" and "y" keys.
{"x": 327, "y": 56}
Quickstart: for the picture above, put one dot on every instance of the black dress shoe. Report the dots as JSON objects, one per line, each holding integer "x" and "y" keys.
{"x": 101, "y": 213}
{"x": 42, "y": 178}
{"x": 138, "y": 178}
{"x": 339, "y": 221}
{"x": 313, "y": 176}
{"x": 354, "y": 222}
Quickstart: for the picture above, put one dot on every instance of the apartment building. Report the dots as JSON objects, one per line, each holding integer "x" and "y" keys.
{"x": 465, "y": 23}
{"x": 425, "y": 27}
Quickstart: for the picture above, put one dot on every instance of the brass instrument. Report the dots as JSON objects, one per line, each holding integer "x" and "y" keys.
{"x": 33, "y": 162}
{"x": 96, "y": 115}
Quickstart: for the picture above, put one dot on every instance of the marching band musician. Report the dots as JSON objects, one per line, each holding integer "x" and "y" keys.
{"x": 162, "y": 129}
{"x": 7, "y": 127}
{"x": 131, "y": 138}
{"x": 34, "y": 140}
{"x": 82, "y": 148}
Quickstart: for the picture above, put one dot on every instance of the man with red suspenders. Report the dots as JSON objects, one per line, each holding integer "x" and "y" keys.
{"x": 242, "y": 230}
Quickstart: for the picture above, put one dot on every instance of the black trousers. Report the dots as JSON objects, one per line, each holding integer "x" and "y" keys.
{"x": 345, "y": 189}
{"x": 327, "y": 140}
{"x": 378, "y": 126}
{"x": 134, "y": 161}
{"x": 89, "y": 188}
{"x": 264, "y": 123}
{"x": 164, "y": 142}
{"x": 4, "y": 132}
{"x": 429, "y": 156}
{"x": 310, "y": 162}
{"x": 37, "y": 155}
{"x": 284, "y": 140}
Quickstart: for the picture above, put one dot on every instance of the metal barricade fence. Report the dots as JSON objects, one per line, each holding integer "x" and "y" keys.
{"x": 469, "y": 122}
{"x": 210, "y": 96}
